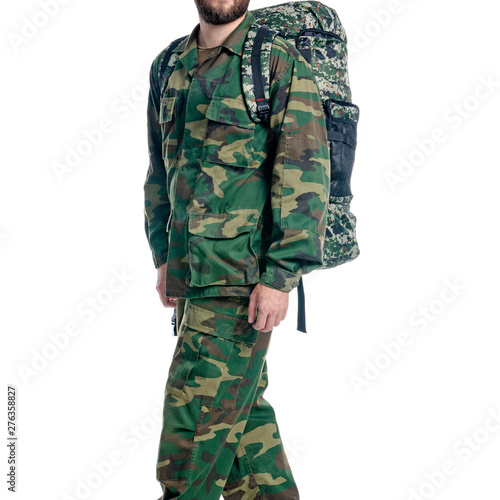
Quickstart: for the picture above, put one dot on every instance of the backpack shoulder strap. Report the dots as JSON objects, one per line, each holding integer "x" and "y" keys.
{"x": 167, "y": 63}
{"x": 255, "y": 71}
{"x": 255, "y": 75}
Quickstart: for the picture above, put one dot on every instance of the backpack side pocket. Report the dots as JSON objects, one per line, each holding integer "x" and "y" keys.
{"x": 340, "y": 239}
{"x": 341, "y": 123}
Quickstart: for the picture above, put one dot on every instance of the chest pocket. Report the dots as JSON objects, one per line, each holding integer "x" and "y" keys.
{"x": 230, "y": 133}
{"x": 169, "y": 128}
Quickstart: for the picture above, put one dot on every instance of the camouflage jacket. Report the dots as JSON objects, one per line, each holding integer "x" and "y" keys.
{"x": 230, "y": 202}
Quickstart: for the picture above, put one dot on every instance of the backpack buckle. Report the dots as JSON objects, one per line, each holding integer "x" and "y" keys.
{"x": 263, "y": 109}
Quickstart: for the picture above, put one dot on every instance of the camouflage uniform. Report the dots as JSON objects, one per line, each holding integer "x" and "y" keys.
{"x": 230, "y": 203}
{"x": 220, "y": 435}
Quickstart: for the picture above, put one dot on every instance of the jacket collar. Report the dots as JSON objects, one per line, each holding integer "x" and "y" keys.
{"x": 234, "y": 42}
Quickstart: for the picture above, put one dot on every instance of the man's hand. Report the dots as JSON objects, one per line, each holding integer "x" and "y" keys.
{"x": 272, "y": 305}
{"x": 160, "y": 286}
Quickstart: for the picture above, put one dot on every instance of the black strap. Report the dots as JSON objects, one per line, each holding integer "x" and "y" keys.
{"x": 339, "y": 136}
{"x": 173, "y": 322}
{"x": 263, "y": 108}
{"x": 263, "y": 111}
{"x": 301, "y": 313}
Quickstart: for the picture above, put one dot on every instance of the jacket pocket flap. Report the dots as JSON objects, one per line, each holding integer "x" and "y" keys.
{"x": 227, "y": 225}
{"x": 167, "y": 108}
{"x": 229, "y": 111}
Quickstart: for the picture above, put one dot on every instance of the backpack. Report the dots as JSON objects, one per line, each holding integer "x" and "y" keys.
{"x": 316, "y": 32}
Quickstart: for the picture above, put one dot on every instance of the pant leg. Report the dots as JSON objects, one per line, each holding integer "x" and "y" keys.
{"x": 260, "y": 469}
{"x": 211, "y": 387}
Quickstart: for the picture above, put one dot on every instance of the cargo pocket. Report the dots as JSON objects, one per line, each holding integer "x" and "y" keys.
{"x": 169, "y": 129}
{"x": 185, "y": 356}
{"x": 225, "y": 344}
{"x": 340, "y": 241}
{"x": 230, "y": 133}
{"x": 223, "y": 248}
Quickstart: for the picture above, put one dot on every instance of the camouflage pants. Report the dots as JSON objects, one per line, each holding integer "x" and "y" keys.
{"x": 220, "y": 435}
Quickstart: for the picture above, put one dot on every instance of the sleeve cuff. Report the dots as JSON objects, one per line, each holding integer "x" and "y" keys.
{"x": 279, "y": 278}
{"x": 159, "y": 259}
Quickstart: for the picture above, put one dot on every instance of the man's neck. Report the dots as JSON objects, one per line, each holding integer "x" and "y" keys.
{"x": 211, "y": 35}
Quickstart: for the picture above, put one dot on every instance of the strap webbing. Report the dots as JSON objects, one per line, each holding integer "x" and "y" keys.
{"x": 301, "y": 312}
{"x": 339, "y": 136}
{"x": 263, "y": 111}
{"x": 258, "y": 78}
{"x": 173, "y": 322}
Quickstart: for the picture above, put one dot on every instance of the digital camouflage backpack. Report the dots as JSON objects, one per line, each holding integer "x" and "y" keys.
{"x": 315, "y": 30}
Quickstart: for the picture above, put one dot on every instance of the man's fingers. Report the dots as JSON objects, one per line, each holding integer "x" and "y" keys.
{"x": 269, "y": 323}
{"x": 282, "y": 316}
{"x": 265, "y": 321}
{"x": 166, "y": 301}
{"x": 261, "y": 320}
{"x": 252, "y": 308}
{"x": 170, "y": 302}
{"x": 277, "y": 320}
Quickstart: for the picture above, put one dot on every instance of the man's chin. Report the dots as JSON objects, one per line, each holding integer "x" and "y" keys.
{"x": 219, "y": 16}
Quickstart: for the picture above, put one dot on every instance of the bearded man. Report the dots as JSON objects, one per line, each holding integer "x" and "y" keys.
{"x": 221, "y": 199}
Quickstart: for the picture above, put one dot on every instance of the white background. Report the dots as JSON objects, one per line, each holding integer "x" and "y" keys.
{"x": 357, "y": 424}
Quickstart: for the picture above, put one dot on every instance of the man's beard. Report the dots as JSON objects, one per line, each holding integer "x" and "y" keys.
{"x": 212, "y": 16}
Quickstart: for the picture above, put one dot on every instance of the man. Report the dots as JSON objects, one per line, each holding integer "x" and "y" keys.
{"x": 235, "y": 214}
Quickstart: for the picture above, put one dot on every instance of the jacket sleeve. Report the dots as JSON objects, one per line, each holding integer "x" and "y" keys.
{"x": 156, "y": 202}
{"x": 301, "y": 172}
